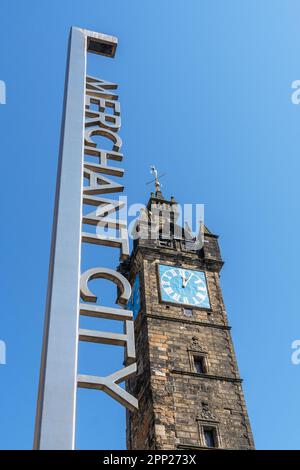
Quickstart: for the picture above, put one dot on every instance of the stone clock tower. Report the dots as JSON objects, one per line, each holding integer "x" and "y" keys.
{"x": 188, "y": 385}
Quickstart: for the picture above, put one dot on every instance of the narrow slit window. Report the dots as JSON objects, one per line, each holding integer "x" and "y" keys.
{"x": 199, "y": 365}
{"x": 210, "y": 437}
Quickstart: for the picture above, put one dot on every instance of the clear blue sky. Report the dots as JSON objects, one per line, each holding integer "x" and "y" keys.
{"x": 205, "y": 91}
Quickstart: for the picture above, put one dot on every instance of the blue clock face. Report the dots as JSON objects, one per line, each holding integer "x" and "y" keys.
{"x": 183, "y": 286}
{"x": 134, "y": 303}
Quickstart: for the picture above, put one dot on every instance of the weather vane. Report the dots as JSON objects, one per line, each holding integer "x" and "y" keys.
{"x": 154, "y": 172}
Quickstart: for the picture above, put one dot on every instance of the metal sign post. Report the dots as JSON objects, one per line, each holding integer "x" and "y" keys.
{"x": 56, "y": 407}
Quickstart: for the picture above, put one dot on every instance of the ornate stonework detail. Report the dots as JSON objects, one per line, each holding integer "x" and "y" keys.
{"x": 195, "y": 345}
{"x": 206, "y": 413}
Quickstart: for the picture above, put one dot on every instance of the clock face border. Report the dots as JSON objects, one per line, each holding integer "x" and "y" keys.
{"x": 179, "y": 304}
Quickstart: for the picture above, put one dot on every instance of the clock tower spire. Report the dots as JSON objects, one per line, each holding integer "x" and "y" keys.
{"x": 188, "y": 385}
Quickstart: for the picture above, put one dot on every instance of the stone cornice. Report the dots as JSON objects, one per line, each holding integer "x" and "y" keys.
{"x": 207, "y": 376}
{"x": 213, "y": 264}
{"x": 191, "y": 447}
{"x": 189, "y": 322}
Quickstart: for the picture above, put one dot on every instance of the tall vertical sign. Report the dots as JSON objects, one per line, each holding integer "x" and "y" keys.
{"x": 86, "y": 114}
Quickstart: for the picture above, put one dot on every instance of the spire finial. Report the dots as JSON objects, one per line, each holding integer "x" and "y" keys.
{"x": 154, "y": 172}
{"x": 158, "y": 185}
